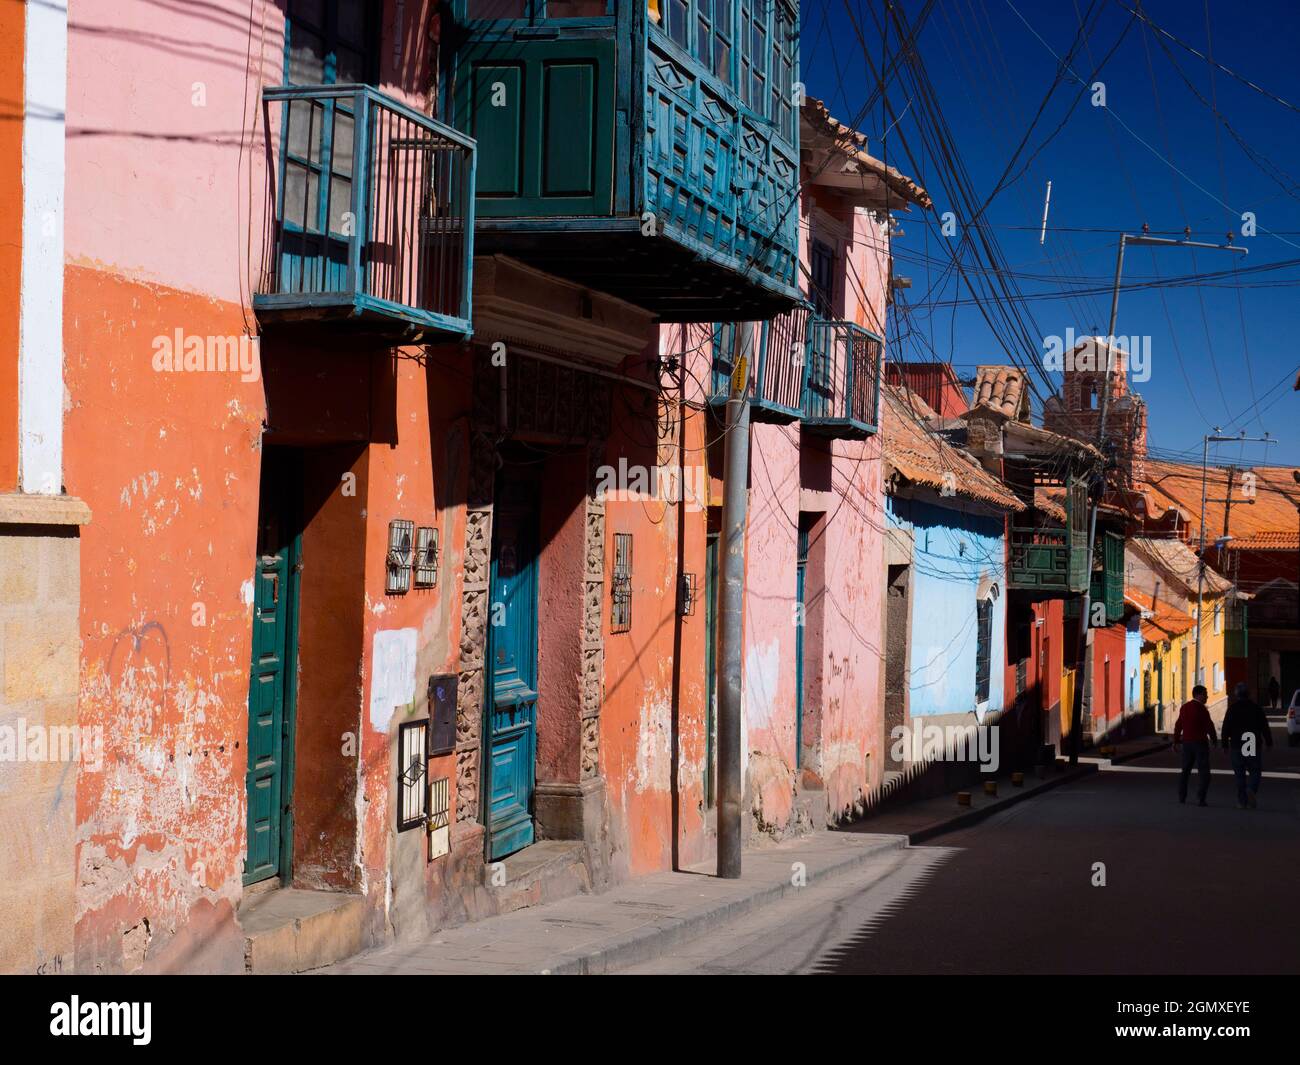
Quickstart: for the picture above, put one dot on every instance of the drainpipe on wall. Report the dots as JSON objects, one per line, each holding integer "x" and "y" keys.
{"x": 735, "y": 505}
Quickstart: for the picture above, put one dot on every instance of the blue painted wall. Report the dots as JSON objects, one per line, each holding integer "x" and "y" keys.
{"x": 954, "y": 551}
{"x": 1133, "y": 667}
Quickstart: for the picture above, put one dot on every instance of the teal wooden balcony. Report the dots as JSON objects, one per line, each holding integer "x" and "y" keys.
{"x": 1049, "y": 560}
{"x": 649, "y": 151}
{"x": 1107, "y": 583}
{"x": 841, "y": 395}
{"x": 776, "y": 354}
{"x": 373, "y": 215}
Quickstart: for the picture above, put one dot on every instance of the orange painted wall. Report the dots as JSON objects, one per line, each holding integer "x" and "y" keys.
{"x": 652, "y": 717}
{"x": 418, "y": 471}
{"x": 12, "y": 23}
{"x": 169, "y": 464}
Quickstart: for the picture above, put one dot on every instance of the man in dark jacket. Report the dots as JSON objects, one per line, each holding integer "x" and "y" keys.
{"x": 1195, "y": 731}
{"x": 1245, "y": 731}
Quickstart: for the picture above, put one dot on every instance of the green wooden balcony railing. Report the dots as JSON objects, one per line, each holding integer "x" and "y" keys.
{"x": 647, "y": 151}
{"x": 373, "y": 218}
{"x": 1049, "y": 559}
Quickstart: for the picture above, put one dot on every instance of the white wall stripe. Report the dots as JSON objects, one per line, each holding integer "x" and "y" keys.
{"x": 40, "y": 307}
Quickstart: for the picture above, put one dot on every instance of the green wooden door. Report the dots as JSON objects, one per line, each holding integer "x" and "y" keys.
{"x": 271, "y": 677}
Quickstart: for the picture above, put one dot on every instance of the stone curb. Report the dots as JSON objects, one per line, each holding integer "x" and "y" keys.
{"x": 1154, "y": 748}
{"x": 971, "y": 817}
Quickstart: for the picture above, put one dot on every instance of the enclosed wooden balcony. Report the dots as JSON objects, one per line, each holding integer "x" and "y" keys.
{"x": 373, "y": 215}
{"x": 775, "y": 354}
{"x": 644, "y": 149}
{"x": 1107, "y": 583}
{"x": 841, "y": 396}
{"x": 1049, "y": 557}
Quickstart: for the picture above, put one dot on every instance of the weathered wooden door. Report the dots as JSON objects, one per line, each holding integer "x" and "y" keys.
{"x": 271, "y": 687}
{"x": 511, "y": 709}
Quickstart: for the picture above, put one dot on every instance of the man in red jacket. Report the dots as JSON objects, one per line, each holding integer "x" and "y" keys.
{"x": 1195, "y": 731}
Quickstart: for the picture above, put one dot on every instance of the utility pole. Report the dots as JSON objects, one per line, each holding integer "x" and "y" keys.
{"x": 735, "y": 507}
{"x": 1206, "y": 441}
{"x": 1096, "y": 492}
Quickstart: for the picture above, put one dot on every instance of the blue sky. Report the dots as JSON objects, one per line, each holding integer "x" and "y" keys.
{"x": 1223, "y": 352}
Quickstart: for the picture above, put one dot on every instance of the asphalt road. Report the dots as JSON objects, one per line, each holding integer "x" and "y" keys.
{"x": 1109, "y": 875}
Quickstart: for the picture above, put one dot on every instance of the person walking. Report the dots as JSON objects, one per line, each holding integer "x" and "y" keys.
{"x": 1194, "y": 731}
{"x": 1245, "y": 734}
{"x": 1274, "y": 693}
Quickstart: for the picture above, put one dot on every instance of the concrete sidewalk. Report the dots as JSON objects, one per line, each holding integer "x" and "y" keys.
{"x": 631, "y": 923}
{"x": 923, "y": 819}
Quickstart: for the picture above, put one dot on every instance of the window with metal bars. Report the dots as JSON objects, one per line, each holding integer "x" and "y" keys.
{"x": 983, "y": 649}
{"x": 413, "y": 774}
{"x": 621, "y": 586}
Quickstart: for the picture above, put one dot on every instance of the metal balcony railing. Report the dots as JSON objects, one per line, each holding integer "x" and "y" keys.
{"x": 841, "y": 395}
{"x": 776, "y": 353}
{"x": 373, "y": 212}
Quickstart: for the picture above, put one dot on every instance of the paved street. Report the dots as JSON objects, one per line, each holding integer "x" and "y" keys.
{"x": 1187, "y": 890}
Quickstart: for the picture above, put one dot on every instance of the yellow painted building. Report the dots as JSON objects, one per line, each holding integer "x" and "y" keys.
{"x": 1161, "y": 577}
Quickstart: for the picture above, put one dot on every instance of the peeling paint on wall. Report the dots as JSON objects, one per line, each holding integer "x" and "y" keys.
{"x": 394, "y": 676}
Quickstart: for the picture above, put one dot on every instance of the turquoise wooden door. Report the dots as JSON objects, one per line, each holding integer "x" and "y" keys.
{"x": 511, "y": 709}
{"x": 268, "y": 780}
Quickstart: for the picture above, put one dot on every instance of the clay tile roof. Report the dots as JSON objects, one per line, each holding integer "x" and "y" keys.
{"x": 1051, "y": 503}
{"x": 1265, "y": 541}
{"x": 852, "y": 146}
{"x": 1165, "y": 622}
{"x": 1176, "y": 486}
{"x": 1179, "y": 563}
{"x": 1003, "y": 389}
{"x": 923, "y": 457}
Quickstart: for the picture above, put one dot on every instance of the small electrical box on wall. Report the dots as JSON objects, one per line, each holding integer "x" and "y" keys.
{"x": 442, "y": 713}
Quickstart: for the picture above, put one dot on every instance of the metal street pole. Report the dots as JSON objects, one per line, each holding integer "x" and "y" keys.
{"x": 1206, "y": 441}
{"x": 1094, "y": 501}
{"x": 735, "y": 506}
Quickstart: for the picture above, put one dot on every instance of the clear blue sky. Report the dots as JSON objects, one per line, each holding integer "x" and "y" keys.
{"x": 1223, "y": 352}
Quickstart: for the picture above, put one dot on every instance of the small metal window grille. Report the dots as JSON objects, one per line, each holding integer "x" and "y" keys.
{"x": 621, "y": 591}
{"x": 413, "y": 770}
{"x": 426, "y": 557}
{"x": 686, "y": 595}
{"x": 439, "y": 817}
{"x": 401, "y": 533}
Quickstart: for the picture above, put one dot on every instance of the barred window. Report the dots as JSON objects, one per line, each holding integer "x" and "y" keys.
{"x": 621, "y": 589}
{"x": 983, "y": 649}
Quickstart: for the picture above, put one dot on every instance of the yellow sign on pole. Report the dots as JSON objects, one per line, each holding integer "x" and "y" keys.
{"x": 740, "y": 376}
